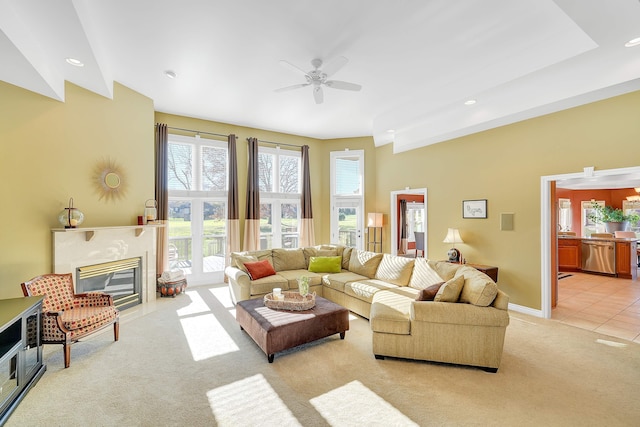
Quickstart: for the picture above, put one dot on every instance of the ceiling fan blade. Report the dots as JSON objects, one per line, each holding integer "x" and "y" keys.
{"x": 337, "y": 84}
{"x": 286, "y": 88}
{"x": 293, "y": 67}
{"x": 333, "y": 66}
{"x": 318, "y": 95}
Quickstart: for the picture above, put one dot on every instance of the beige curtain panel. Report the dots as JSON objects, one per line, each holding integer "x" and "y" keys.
{"x": 162, "y": 195}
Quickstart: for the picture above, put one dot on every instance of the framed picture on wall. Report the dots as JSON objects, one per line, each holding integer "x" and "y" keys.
{"x": 474, "y": 208}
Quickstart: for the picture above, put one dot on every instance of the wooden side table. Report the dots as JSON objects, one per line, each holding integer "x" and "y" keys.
{"x": 489, "y": 270}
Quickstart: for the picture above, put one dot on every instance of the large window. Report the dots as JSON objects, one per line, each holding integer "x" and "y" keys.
{"x": 280, "y": 177}
{"x": 347, "y": 197}
{"x": 197, "y": 177}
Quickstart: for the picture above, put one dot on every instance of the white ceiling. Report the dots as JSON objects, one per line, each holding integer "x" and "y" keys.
{"x": 418, "y": 61}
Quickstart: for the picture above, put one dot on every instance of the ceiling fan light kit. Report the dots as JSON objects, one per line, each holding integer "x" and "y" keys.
{"x": 319, "y": 77}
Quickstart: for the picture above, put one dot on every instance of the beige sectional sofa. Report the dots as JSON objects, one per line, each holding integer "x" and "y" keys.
{"x": 463, "y": 319}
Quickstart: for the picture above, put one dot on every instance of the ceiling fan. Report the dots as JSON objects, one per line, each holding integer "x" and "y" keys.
{"x": 318, "y": 77}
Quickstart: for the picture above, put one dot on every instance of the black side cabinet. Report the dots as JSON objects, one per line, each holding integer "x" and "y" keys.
{"x": 20, "y": 350}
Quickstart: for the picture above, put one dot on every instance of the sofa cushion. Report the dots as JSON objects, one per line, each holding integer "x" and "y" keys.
{"x": 266, "y": 284}
{"x": 445, "y": 269}
{"x": 259, "y": 269}
{"x": 395, "y": 269}
{"x": 288, "y": 259}
{"x": 325, "y": 264}
{"x": 346, "y": 257}
{"x": 338, "y": 280}
{"x": 450, "y": 291}
{"x": 292, "y": 277}
{"x": 315, "y": 251}
{"x": 364, "y": 263}
{"x": 424, "y": 275}
{"x": 390, "y": 312}
{"x": 365, "y": 289}
{"x": 240, "y": 260}
{"x": 478, "y": 288}
{"x": 428, "y": 294}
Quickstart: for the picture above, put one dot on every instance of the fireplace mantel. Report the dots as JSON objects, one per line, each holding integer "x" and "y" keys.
{"x": 79, "y": 247}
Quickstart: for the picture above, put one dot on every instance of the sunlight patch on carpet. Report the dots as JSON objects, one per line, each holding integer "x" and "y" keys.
{"x": 250, "y": 401}
{"x": 365, "y": 408}
{"x": 222, "y": 295}
{"x": 206, "y": 337}
{"x": 197, "y": 305}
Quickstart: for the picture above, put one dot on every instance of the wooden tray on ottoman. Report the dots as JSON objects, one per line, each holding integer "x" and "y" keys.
{"x": 277, "y": 330}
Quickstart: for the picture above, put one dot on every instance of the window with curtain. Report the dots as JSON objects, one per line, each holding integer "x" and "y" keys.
{"x": 197, "y": 180}
{"x": 280, "y": 192}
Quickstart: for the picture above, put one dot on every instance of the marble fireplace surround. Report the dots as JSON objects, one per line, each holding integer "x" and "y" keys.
{"x": 79, "y": 247}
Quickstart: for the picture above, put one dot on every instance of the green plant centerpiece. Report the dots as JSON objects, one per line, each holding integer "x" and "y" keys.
{"x": 303, "y": 285}
{"x": 614, "y": 219}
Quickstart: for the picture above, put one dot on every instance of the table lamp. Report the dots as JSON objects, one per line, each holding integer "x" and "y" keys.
{"x": 453, "y": 237}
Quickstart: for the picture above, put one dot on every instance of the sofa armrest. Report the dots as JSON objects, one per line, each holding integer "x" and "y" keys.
{"x": 239, "y": 283}
{"x": 457, "y": 313}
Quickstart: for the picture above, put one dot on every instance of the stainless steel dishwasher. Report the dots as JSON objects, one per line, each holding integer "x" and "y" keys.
{"x": 599, "y": 256}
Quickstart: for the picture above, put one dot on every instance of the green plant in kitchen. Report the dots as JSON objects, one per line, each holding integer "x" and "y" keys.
{"x": 604, "y": 214}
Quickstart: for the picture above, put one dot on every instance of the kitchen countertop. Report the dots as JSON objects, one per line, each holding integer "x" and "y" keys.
{"x": 602, "y": 239}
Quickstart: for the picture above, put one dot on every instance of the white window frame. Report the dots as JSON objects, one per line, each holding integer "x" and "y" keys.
{"x": 197, "y": 197}
{"x": 347, "y": 200}
{"x": 277, "y": 199}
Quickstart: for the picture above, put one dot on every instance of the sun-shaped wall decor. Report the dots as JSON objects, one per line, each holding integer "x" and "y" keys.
{"x": 109, "y": 180}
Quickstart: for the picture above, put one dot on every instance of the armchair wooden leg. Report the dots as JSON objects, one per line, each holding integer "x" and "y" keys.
{"x": 67, "y": 354}
{"x": 116, "y": 330}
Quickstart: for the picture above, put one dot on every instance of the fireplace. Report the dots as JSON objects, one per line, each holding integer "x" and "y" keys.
{"x": 121, "y": 279}
{"x": 75, "y": 248}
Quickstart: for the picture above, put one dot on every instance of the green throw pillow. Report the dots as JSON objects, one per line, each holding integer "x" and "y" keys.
{"x": 325, "y": 264}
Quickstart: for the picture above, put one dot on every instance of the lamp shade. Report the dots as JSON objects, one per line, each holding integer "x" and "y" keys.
{"x": 453, "y": 236}
{"x": 374, "y": 220}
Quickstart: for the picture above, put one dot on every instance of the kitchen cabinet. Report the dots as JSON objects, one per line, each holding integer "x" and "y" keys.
{"x": 626, "y": 259}
{"x": 569, "y": 254}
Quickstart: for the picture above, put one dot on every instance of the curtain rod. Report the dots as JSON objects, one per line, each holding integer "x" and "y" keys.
{"x": 198, "y": 132}
{"x": 278, "y": 143}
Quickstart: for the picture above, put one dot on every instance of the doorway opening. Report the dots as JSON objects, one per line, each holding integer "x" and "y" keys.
{"x": 548, "y": 255}
{"x": 417, "y": 196}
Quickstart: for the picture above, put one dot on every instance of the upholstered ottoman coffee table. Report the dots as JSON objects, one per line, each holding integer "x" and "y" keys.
{"x": 278, "y": 330}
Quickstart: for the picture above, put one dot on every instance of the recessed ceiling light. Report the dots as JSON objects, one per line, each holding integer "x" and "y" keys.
{"x": 391, "y": 130}
{"x": 470, "y": 102}
{"x": 170, "y": 74}
{"x": 74, "y": 62}
{"x": 633, "y": 42}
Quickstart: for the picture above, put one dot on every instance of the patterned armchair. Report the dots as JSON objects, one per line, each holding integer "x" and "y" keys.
{"x": 66, "y": 316}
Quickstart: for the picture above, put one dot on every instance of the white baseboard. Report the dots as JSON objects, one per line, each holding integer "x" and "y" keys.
{"x": 525, "y": 310}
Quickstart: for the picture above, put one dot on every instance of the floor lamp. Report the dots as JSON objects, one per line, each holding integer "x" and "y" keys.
{"x": 374, "y": 220}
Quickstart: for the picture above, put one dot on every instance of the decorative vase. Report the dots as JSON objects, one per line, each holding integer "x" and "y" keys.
{"x": 612, "y": 227}
{"x": 303, "y": 285}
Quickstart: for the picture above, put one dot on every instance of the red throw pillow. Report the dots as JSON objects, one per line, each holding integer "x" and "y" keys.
{"x": 259, "y": 269}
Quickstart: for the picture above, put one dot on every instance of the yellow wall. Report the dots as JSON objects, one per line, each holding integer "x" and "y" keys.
{"x": 49, "y": 150}
{"x": 504, "y": 166}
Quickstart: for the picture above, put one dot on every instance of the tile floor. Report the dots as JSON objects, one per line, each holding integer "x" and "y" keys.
{"x": 603, "y": 304}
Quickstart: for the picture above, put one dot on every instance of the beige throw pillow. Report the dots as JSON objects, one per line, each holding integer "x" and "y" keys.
{"x": 423, "y": 275}
{"x": 478, "y": 288}
{"x": 364, "y": 263}
{"x": 395, "y": 269}
{"x": 450, "y": 291}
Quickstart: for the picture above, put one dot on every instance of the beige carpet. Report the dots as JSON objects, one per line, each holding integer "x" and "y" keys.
{"x": 187, "y": 363}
